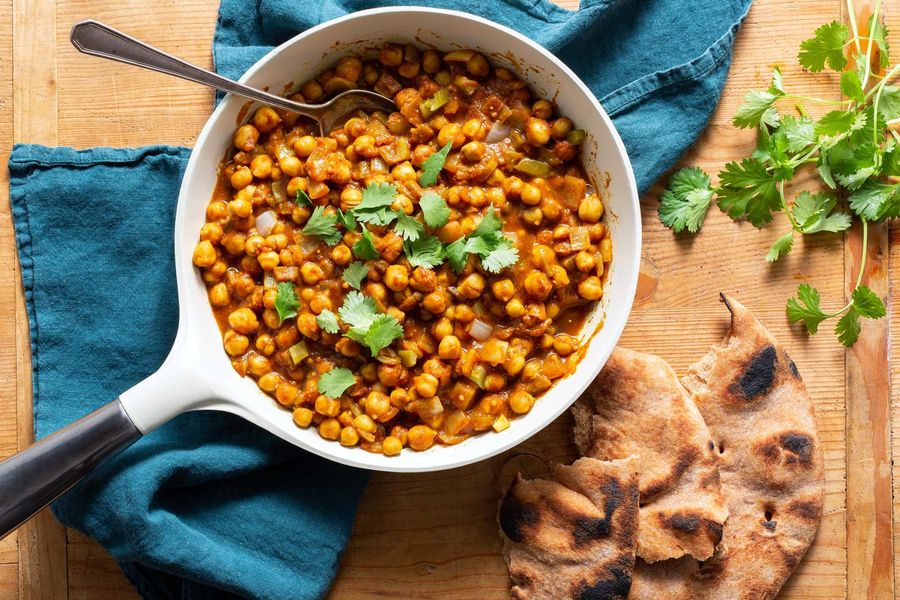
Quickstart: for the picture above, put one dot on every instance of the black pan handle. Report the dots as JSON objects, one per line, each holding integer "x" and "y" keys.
{"x": 33, "y": 478}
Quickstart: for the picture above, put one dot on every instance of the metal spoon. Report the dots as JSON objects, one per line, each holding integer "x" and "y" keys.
{"x": 97, "y": 39}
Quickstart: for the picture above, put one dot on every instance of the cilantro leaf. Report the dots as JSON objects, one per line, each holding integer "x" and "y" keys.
{"x": 456, "y": 254}
{"x": 364, "y": 248}
{"x": 424, "y": 252}
{"x": 748, "y": 190}
{"x": 758, "y": 107}
{"x": 837, "y": 122}
{"x": 800, "y": 133}
{"x": 286, "y": 301}
{"x": 867, "y": 303}
{"x": 777, "y": 85}
{"x": 503, "y": 255}
{"x": 355, "y": 273}
{"x": 826, "y": 46}
{"x": 490, "y": 223}
{"x": 302, "y": 199}
{"x": 810, "y": 311}
{"x": 335, "y": 382}
{"x": 408, "y": 228}
{"x": 432, "y": 166}
{"x": 851, "y": 86}
{"x": 686, "y": 201}
{"x": 878, "y": 32}
{"x": 375, "y": 206}
{"x": 772, "y": 148}
{"x": 434, "y": 209}
{"x": 357, "y": 311}
{"x": 848, "y": 328}
{"x": 876, "y": 200}
{"x": 889, "y": 103}
{"x": 813, "y": 213}
{"x": 322, "y": 225}
{"x": 781, "y": 247}
{"x": 346, "y": 219}
{"x": 327, "y": 320}
{"x": 383, "y": 330}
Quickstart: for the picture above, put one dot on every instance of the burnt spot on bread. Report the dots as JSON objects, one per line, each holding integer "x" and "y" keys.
{"x": 794, "y": 371}
{"x": 691, "y": 523}
{"x": 769, "y": 524}
{"x": 614, "y": 585}
{"x": 516, "y": 516}
{"x": 789, "y": 448}
{"x": 684, "y": 521}
{"x": 589, "y": 529}
{"x": 758, "y": 377}
{"x": 686, "y": 457}
{"x": 716, "y": 531}
{"x": 807, "y": 510}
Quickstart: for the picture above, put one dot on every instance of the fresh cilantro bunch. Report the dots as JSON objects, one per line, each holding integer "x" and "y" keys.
{"x": 853, "y": 147}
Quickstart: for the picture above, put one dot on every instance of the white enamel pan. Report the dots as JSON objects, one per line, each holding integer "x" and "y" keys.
{"x": 197, "y": 375}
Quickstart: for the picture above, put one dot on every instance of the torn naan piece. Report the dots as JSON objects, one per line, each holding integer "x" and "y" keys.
{"x": 572, "y": 536}
{"x": 763, "y": 423}
{"x": 637, "y": 407}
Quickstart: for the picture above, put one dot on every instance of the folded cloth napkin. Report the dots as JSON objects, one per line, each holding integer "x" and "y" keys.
{"x": 209, "y": 506}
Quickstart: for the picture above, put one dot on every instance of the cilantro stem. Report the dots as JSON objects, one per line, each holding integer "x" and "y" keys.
{"x": 787, "y": 210}
{"x": 813, "y": 99}
{"x": 852, "y": 15}
{"x": 869, "y": 44}
{"x": 865, "y": 251}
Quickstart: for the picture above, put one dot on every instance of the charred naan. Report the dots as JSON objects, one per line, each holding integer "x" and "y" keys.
{"x": 637, "y": 407}
{"x": 761, "y": 418}
{"x": 573, "y": 536}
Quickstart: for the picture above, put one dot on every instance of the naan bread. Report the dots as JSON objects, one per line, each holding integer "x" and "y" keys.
{"x": 573, "y": 536}
{"x": 762, "y": 421}
{"x": 637, "y": 407}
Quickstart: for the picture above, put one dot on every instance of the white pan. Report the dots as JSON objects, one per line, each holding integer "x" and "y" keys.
{"x": 197, "y": 375}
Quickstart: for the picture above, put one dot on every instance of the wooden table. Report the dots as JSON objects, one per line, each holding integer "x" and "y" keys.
{"x": 434, "y": 536}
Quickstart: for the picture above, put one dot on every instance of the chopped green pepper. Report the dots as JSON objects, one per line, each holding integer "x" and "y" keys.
{"x": 532, "y": 167}
{"x": 298, "y": 352}
{"x": 408, "y": 358}
{"x": 576, "y": 137}
{"x": 430, "y": 106}
{"x": 478, "y": 375}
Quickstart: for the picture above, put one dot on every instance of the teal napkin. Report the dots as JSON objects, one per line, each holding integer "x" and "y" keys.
{"x": 209, "y": 506}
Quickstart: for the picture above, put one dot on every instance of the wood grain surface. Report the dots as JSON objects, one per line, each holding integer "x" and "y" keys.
{"x": 434, "y": 535}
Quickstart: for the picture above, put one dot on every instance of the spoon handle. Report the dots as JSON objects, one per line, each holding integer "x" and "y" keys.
{"x": 97, "y": 39}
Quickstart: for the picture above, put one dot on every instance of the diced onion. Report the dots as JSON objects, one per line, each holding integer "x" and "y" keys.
{"x": 278, "y": 191}
{"x": 265, "y": 222}
{"x": 309, "y": 245}
{"x": 429, "y": 408}
{"x": 589, "y": 190}
{"x": 498, "y": 133}
{"x": 480, "y": 330}
{"x": 580, "y": 238}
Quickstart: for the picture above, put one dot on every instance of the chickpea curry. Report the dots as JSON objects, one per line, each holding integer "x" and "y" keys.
{"x": 410, "y": 278}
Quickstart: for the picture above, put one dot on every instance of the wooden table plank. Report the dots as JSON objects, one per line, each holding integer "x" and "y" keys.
{"x": 434, "y": 535}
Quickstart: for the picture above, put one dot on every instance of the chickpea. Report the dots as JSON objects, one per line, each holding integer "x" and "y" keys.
{"x": 475, "y": 196}
{"x": 305, "y": 145}
{"x": 450, "y": 348}
{"x": 463, "y": 313}
{"x": 204, "y": 254}
{"x": 475, "y": 129}
{"x": 442, "y": 328}
{"x": 260, "y": 167}
{"x": 266, "y": 119}
{"x": 561, "y": 127}
{"x": 538, "y": 285}
{"x": 269, "y": 382}
{"x": 364, "y": 423}
{"x": 268, "y": 260}
{"x": 494, "y": 382}
{"x": 235, "y": 343}
{"x": 472, "y": 286}
{"x": 312, "y": 273}
{"x": 330, "y": 429}
{"x": 286, "y": 393}
{"x": 558, "y": 276}
{"x": 520, "y": 402}
{"x": 271, "y": 318}
{"x": 503, "y": 289}
{"x": 537, "y": 131}
{"x": 240, "y": 208}
{"x": 542, "y": 109}
{"x": 533, "y": 216}
{"x": 531, "y": 194}
{"x": 591, "y": 209}
{"x": 404, "y": 172}
{"x": 473, "y": 151}
{"x": 435, "y": 302}
{"x": 513, "y": 186}
{"x": 243, "y": 320}
{"x": 364, "y": 145}
{"x": 307, "y": 326}
{"x": 391, "y": 446}
{"x": 245, "y": 137}
{"x": 606, "y": 249}
{"x": 431, "y": 62}
{"x": 302, "y": 417}
{"x": 452, "y": 132}
{"x": 212, "y": 232}
{"x": 347, "y": 347}
{"x": 341, "y": 255}
{"x": 391, "y": 55}
{"x": 478, "y": 65}
{"x": 259, "y": 365}
{"x": 591, "y": 288}
{"x": 349, "y": 436}
{"x": 349, "y": 68}
{"x": 319, "y": 303}
{"x": 312, "y": 91}
{"x": 218, "y": 295}
{"x": 585, "y": 261}
{"x": 423, "y": 280}
{"x": 542, "y": 256}
{"x": 216, "y": 211}
{"x": 290, "y": 166}
{"x": 377, "y": 404}
{"x": 443, "y": 77}
{"x": 421, "y": 437}
{"x": 426, "y": 385}
{"x": 328, "y": 407}
{"x": 397, "y": 277}
{"x": 350, "y": 197}
{"x": 563, "y": 344}
{"x": 241, "y": 178}
{"x": 265, "y": 344}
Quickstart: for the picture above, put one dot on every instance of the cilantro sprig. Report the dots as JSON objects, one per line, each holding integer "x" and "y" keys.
{"x": 287, "y": 303}
{"x": 851, "y": 146}
{"x": 433, "y": 165}
{"x": 487, "y": 241}
{"x": 335, "y": 382}
{"x": 366, "y": 325}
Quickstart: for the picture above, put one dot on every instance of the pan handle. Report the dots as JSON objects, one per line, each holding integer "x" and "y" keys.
{"x": 33, "y": 478}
